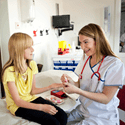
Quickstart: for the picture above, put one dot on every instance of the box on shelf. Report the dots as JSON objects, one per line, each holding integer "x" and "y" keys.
{"x": 57, "y": 68}
{"x": 64, "y": 68}
{"x": 75, "y": 62}
{"x": 62, "y": 44}
{"x": 63, "y": 62}
{"x": 67, "y": 68}
{"x": 70, "y": 69}
{"x": 70, "y": 63}
{"x": 74, "y": 69}
{"x": 56, "y": 62}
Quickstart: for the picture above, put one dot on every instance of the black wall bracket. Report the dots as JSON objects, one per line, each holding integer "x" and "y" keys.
{"x": 63, "y": 30}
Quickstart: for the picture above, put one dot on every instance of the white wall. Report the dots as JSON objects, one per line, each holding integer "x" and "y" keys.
{"x": 82, "y": 13}
{"x": 4, "y": 29}
{"x": 87, "y": 11}
{"x": 117, "y": 30}
{"x": 92, "y": 11}
{"x": 44, "y": 10}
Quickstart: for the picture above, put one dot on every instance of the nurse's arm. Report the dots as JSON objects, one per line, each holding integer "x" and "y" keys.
{"x": 104, "y": 97}
{"x": 70, "y": 80}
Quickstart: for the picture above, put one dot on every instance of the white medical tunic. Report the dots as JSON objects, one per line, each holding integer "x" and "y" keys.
{"x": 112, "y": 74}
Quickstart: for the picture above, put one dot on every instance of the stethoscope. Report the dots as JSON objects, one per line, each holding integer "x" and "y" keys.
{"x": 80, "y": 76}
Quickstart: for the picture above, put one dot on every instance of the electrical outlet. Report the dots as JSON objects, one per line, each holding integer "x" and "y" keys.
{"x": 17, "y": 25}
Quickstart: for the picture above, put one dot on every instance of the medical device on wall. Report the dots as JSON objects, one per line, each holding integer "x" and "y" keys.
{"x": 62, "y": 21}
{"x": 27, "y": 8}
{"x": 107, "y": 16}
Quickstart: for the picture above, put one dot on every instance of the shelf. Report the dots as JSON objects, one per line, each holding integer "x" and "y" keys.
{"x": 76, "y": 54}
{"x": 67, "y": 62}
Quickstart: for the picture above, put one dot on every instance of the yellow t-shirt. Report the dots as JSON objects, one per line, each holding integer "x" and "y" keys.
{"x": 23, "y": 87}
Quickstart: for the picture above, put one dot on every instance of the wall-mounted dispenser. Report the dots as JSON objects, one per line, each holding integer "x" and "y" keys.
{"x": 67, "y": 29}
{"x": 62, "y": 21}
{"x": 27, "y": 10}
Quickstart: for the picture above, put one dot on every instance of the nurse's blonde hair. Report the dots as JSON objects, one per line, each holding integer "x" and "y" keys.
{"x": 102, "y": 45}
{"x": 18, "y": 42}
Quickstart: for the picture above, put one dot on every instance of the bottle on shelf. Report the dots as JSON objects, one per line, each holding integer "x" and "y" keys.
{"x": 73, "y": 47}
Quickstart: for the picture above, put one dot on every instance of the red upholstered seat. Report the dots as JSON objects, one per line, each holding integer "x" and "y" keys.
{"x": 122, "y": 123}
{"x": 121, "y": 96}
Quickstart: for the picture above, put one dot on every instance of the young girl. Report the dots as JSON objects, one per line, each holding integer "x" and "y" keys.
{"x": 18, "y": 77}
{"x": 101, "y": 75}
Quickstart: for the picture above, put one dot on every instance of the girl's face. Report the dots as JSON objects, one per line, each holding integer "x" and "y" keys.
{"x": 88, "y": 45}
{"x": 28, "y": 53}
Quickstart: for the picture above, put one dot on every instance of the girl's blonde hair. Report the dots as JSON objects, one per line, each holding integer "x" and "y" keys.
{"x": 18, "y": 42}
{"x": 102, "y": 45}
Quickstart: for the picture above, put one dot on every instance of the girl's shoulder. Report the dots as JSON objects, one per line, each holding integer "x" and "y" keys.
{"x": 9, "y": 73}
{"x": 32, "y": 63}
{"x": 33, "y": 66}
{"x": 10, "y": 69}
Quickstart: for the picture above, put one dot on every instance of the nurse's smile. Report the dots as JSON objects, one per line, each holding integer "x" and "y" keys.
{"x": 86, "y": 51}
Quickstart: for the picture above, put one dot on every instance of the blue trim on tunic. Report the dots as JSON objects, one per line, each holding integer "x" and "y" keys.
{"x": 93, "y": 70}
{"x": 113, "y": 85}
{"x": 119, "y": 86}
{"x": 76, "y": 74}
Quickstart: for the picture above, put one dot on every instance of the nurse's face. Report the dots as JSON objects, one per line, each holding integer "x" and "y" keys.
{"x": 87, "y": 45}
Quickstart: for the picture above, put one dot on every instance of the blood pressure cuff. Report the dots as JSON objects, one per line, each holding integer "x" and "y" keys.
{"x": 58, "y": 93}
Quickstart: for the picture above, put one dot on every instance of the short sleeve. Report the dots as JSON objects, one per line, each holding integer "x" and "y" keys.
{"x": 78, "y": 68}
{"x": 80, "y": 65}
{"x": 9, "y": 75}
{"x": 34, "y": 67}
{"x": 115, "y": 76}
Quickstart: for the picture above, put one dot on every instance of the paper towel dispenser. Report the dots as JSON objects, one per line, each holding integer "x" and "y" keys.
{"x": 27, "y": 8}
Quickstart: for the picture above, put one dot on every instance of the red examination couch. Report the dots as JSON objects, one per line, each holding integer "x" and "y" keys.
{"x": 121, "y": 96}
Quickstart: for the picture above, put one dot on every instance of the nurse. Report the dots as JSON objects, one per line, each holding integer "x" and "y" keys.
{"x": 101, "y": 75}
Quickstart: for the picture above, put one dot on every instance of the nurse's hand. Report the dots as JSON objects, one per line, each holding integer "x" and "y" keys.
{"x": 66, "y": 78}
{"x": 69, "y": 88}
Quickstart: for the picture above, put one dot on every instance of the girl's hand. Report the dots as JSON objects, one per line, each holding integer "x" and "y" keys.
{"x": 56, "y": 85}
{"x": 69, "y": 88}
{"x": 48, "y": 109}
{"x": 66, "y": 78}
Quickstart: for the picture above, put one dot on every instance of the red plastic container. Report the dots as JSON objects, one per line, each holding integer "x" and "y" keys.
{"x": 58, "y": 93}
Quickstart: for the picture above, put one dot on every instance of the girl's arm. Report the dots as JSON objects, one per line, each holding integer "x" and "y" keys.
{"x": 40, "y": 90}
{"x": 21, "y": 103}
{"x": 104, "y": 97}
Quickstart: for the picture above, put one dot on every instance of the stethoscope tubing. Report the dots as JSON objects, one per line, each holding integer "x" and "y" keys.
{"x": 97, "y": 72}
